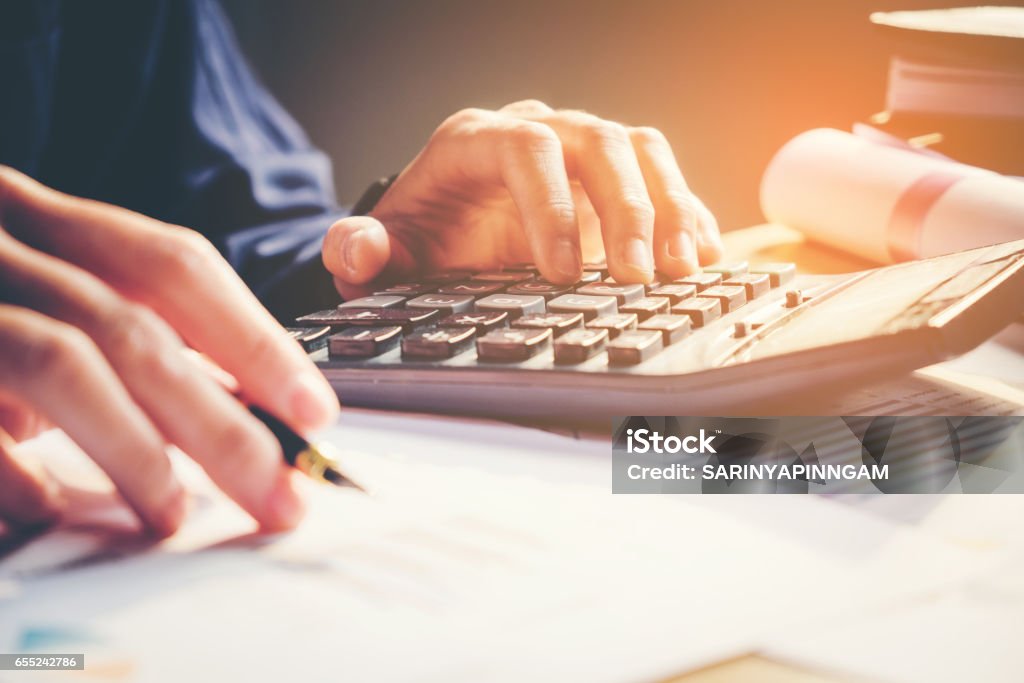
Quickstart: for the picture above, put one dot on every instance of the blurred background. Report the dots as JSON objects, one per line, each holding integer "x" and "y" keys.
{"x": 728, "y": 81}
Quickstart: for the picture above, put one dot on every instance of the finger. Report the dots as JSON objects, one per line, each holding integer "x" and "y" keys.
{"x": 675, "y": 207}
{"x": 28, "y": 496}
{"x": 19, "y": 420}
{"x": 187, "y": 406}
{"x": 601, "y": 155}
{"x": 709, "y": 237}
{"x": 358, "y": 250}
{"x": 58, "y": 370}
{"x": 527, "y": 109}
{"x": 180, "y": 275}
{"x": 524, "y": 157}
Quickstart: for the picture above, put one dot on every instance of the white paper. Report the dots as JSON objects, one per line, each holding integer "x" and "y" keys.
{"x": 841, "y": 189}
{"x": 454, "y": 573}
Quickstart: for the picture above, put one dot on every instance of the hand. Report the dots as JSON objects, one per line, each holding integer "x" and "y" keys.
{"x": 529, "y": 183}
{"x": 94, "y": 304}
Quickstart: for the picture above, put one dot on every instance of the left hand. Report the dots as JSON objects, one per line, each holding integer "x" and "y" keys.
{"x": 529, "y": 183}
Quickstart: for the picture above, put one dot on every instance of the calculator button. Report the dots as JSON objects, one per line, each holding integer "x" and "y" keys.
{"x": 406, "y": 318}
{"x": 386, "y": 301}
{"x": 728, "y": 270}
{"x": 646, "y": 307}
{"x": 589, "y": 306}
{"x": 576, "y": 346}
{"x": 437, "y": 342}
{"x": 513, "y": 304}
{"x": 592, "y": 276}
{"x": 558, "y": 323}
{"x": 675, "y": 292}
{"x": 700, "y": 311}
{"x": 778, "y": 273}
{"x": 407, "y": 289}
{"x": 364, "y": 342}
{"x": 481, "y": 321}
{"x": 624, "y": 294}
{"x": 471, "y": 288}
{"x": 619, "y": 322}
{"x": 502, "y": 276}
{"x": 672, "y": 327}
{"x": 544, "y": 289}
{"x": 529, "y": 267}
{"x": 599, "y": 267}
{"x": 512, "y": 345}
{"x": 310, "y": 338}
{"x": 730, "y": 297}
{"x": 700, "y": 280}
{"x": 634, "y": 347}
{"x": 445, "y": 303}
{"x": 755, "y": 284}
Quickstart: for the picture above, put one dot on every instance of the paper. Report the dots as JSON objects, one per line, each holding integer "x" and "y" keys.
{"x": 887, "y": 204}
{"x": 493, "y": 553}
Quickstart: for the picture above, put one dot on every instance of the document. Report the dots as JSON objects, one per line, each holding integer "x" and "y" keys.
{"x": 488, "y": 552}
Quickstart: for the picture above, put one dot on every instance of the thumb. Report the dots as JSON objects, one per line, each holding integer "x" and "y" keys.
{"x": 356, "y": 250}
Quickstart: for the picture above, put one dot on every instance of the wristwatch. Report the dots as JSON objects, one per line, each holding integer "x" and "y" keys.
{"x": 372, "y": 195}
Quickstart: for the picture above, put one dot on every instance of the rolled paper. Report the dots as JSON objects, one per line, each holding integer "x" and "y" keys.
{"x": 888, "y": 204}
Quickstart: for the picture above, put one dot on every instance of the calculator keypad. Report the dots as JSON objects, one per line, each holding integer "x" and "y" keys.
{"x": 515, "y": 315}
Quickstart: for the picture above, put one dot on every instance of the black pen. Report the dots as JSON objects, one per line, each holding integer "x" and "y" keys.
{"x": 313, "y": 460}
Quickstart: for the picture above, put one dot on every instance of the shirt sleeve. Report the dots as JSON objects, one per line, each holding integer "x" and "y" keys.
{"x": 251, "y": 180}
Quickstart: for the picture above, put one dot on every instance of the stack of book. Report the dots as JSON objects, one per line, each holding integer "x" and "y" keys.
{"x": 956, "y": 84}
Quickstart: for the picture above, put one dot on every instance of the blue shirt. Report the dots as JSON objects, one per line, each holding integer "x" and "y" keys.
{"x": 150, "y": 105}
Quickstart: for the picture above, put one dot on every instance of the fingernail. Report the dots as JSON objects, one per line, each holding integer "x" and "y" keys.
{"x": 566, "y": 259}
{"x": 348, "y": 249}
{"x": 284, "y": 505}
{"x": 637, "y": 255}
{"x": 313, "y": 402}
{"x": 682, "y": 248}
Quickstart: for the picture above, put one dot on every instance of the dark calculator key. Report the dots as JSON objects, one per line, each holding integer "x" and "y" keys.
{"x": 675, "y": 292}
{"x": 730, "y": 297}
{"x": 513, "y": 304}
{"x": 601, "y": 268}
{"x": 623, "y": 293}
{"x": 614, "y": 324}
{"x": 364, "y": 342}
{"x": 407, "y": 289}
{"x": 728, "y": 270}
{"x": 405, "y": 318}
{"x": 437, "y": 343}
{"x": 544, "y": 289}
{"x": 632, "y": 348}
{"x": 672, "y": 327}
{"x": 646, "y": 307}
{"x": 512, "y": 345}
{"x": 700, "y": 311}
{"x": 576, "y": 346}
{"x": 509, "y": 276}
{"x": 700, "y": 280}
{"x": 310, "y": 338}
{"x": 558, "y": 323}
{"x": 755, "y": 284}
{"x": 778, "y": 273}
{"x": 589, "y": 306}
{"x": 445, "y": 278}
{"x": 471, "y": 288}
{"x": 386, "y": 301}
{"x": 446, "y": 303}
{"x": 481, "y": 321}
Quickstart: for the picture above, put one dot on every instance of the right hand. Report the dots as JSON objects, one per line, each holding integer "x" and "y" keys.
{"x": 95, "y": 302}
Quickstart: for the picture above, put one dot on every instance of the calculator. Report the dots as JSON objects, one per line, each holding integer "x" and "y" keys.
{"x": 735, "y": 338}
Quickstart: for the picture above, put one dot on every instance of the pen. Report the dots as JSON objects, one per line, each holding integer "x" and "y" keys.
{"x": 314, "y": 460}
